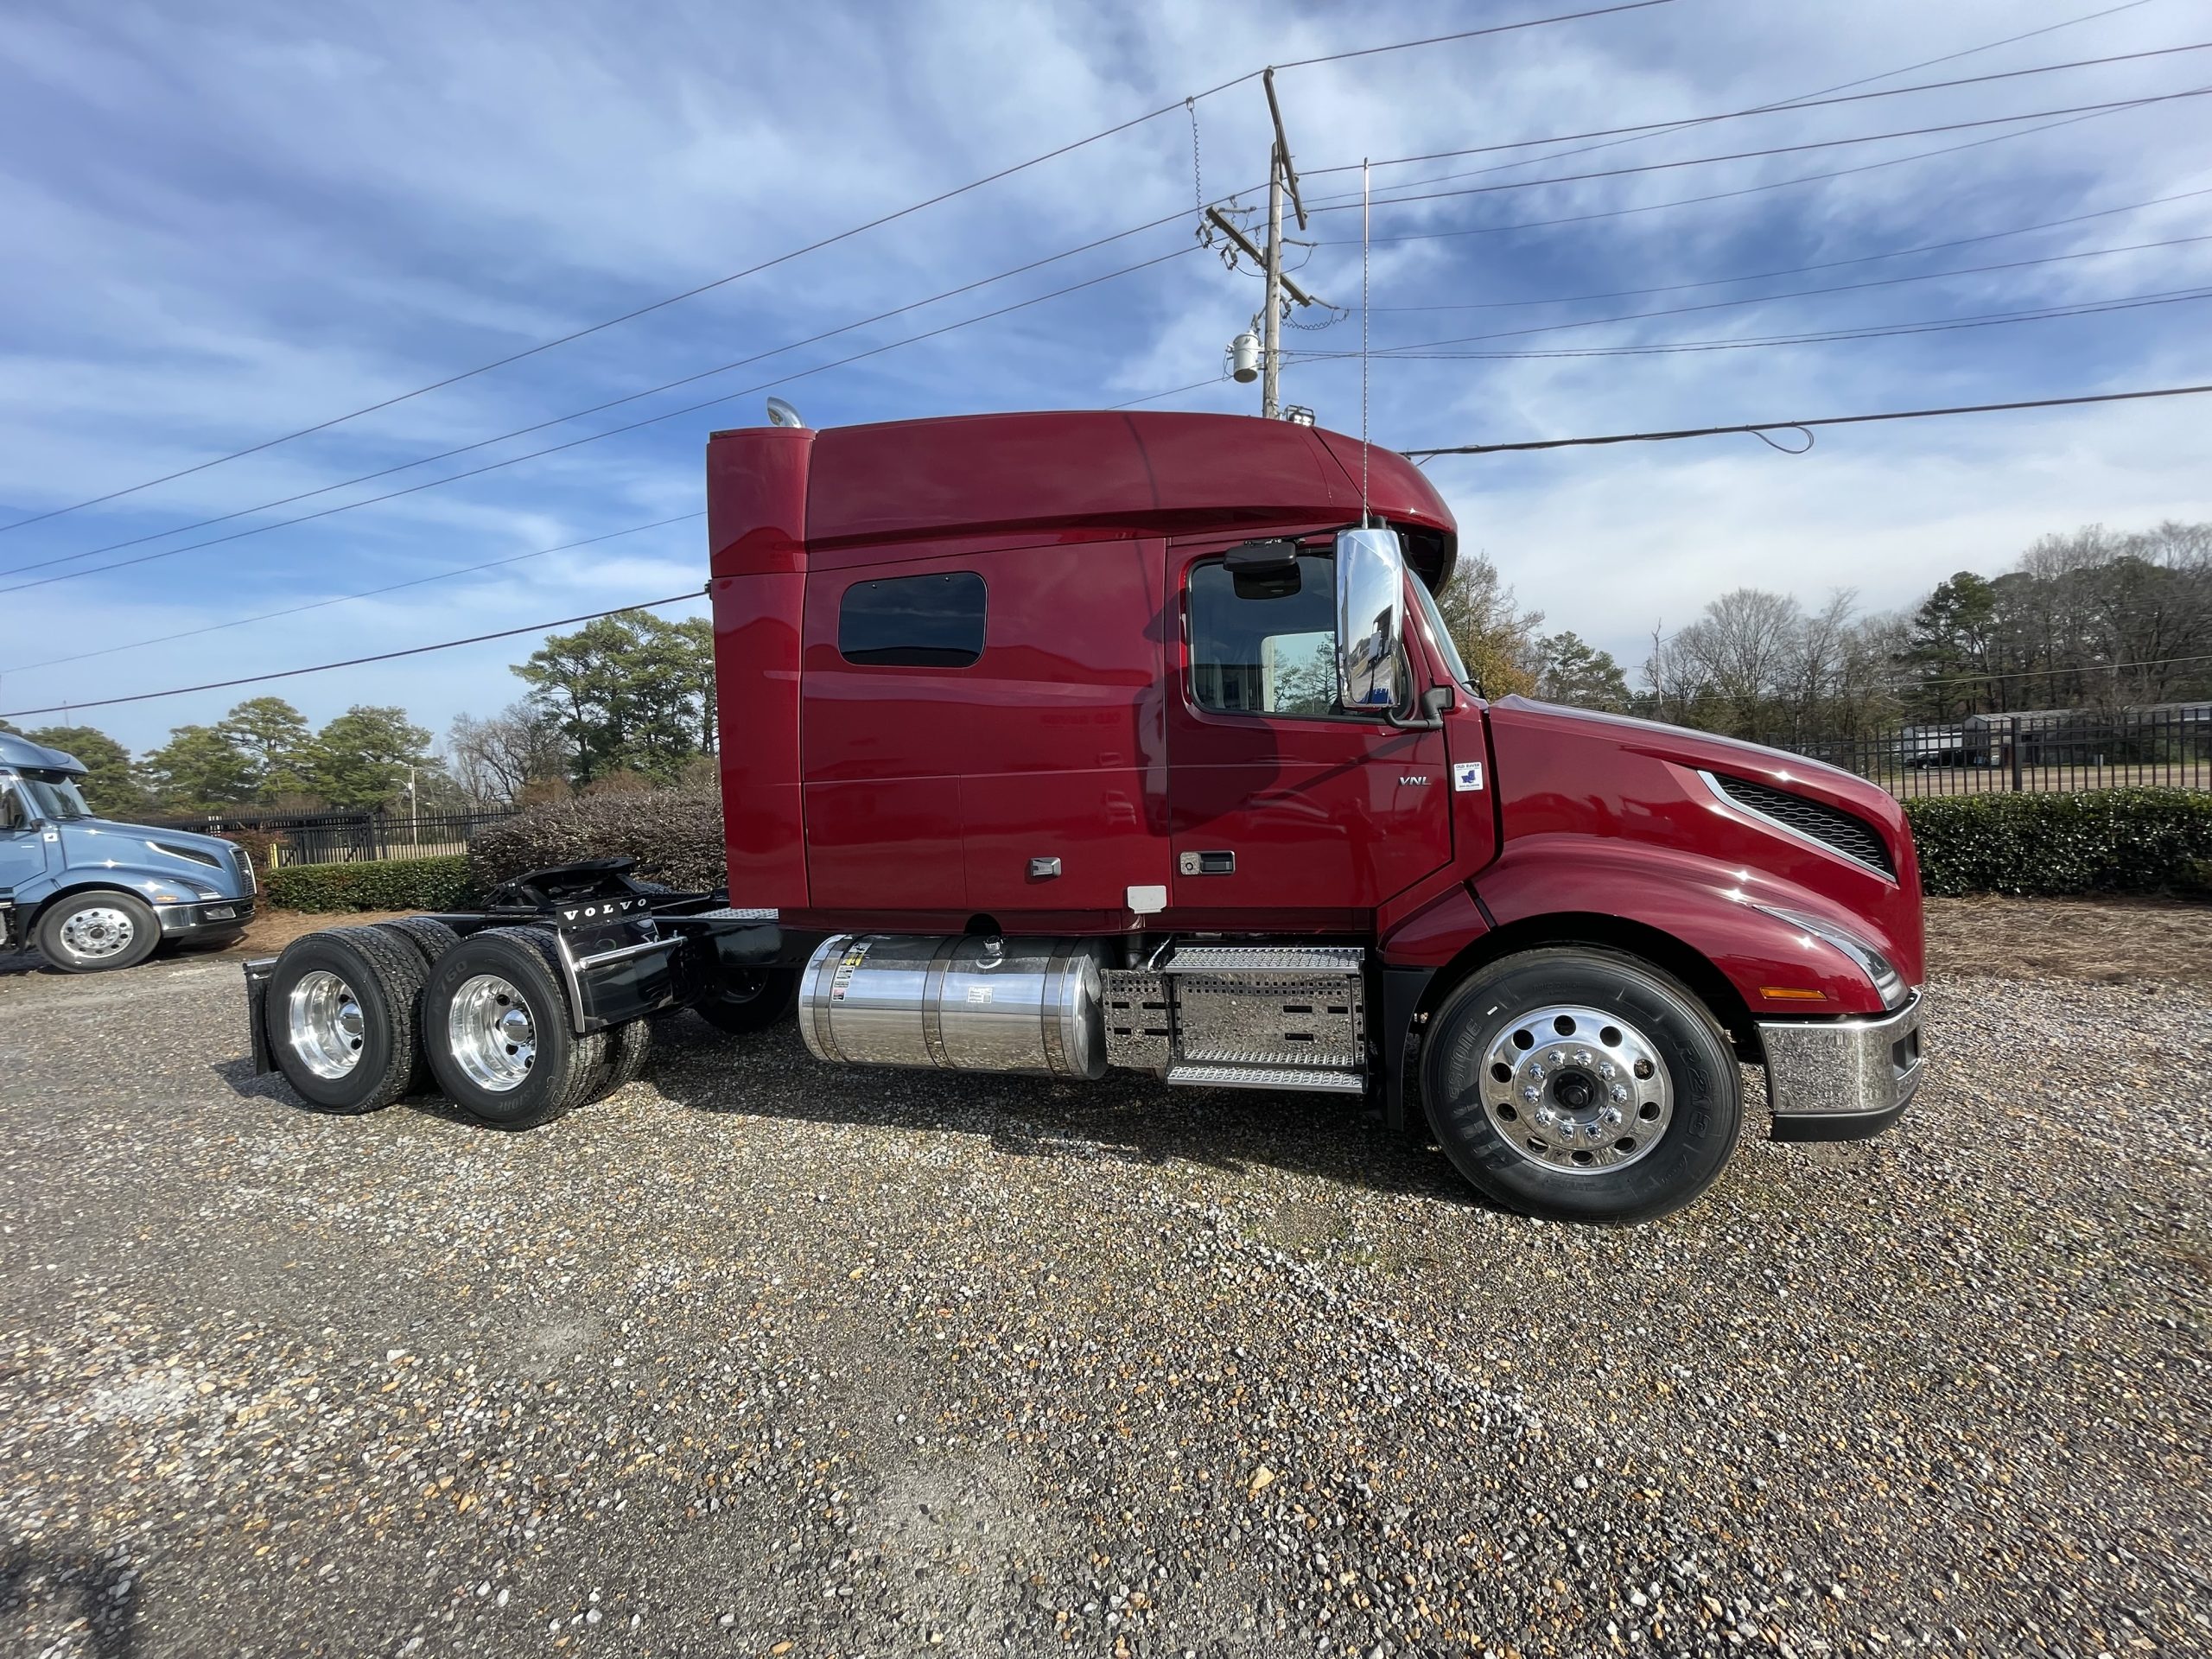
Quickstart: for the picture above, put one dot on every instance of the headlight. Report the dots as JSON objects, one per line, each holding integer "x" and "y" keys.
{"x": 1888, "y": 983}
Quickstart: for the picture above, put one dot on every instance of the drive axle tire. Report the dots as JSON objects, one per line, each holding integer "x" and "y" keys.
{"x": 97, "y": 932}
{"x": 426, "y": 933}
{"x": 1578, "y": 1083}
{"x": 629, "y": 1050}
{"x": 750, "y": 1000}
{"x": 495, "y": 1024}
{"x": 341, "y": 1016}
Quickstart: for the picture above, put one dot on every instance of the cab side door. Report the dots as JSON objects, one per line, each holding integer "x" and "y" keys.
{"x": 1287, "y": 811}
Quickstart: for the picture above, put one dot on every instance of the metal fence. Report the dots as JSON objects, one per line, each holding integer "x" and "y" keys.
{"x": 351, "y": 837}
{"x": 2036, "y": 752}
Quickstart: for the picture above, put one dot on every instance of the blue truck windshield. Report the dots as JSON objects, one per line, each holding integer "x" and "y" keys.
{"x": 55, "y": 795}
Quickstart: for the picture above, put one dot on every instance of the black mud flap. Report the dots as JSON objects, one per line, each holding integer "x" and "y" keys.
{"x": 258, "y": 973}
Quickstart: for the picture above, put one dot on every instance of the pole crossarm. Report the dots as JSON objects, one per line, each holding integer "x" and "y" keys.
{"x": 1259, "y": 255}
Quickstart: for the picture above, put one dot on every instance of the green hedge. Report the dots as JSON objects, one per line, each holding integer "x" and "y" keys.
{"x": 2106, "y": 840}
{"x": 676, "y": 835}
{"x": 385, "y": 884}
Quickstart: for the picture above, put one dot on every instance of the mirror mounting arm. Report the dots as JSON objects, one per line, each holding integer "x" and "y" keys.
{"x": 1433, "y": 702}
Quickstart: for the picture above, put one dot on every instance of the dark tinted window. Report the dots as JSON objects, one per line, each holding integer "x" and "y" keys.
{"x": 913, "y": 622}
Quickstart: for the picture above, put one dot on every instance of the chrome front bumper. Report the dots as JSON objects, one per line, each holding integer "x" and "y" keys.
{"x": 1841, "y": 1079}
{"x": 210, "y": 915}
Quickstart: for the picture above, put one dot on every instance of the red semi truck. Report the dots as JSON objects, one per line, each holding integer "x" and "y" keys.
{"x": 1062, "y": 743}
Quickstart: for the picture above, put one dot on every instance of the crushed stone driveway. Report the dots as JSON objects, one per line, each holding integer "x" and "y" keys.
{"x": 761, "y": 1358}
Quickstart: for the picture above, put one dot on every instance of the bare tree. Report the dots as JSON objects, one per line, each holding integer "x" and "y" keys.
{"x": 497, "y": 761}
{"x": 1498, "y": 640}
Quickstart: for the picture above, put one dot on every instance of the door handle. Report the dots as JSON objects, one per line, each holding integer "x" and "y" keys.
{"x": 1207, "y": 863}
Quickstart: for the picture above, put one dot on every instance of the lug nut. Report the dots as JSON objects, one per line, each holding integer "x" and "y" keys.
{"x": 1619, "y": 1093}
{"x": 1532, "y": 1095}
{"x": 1607, "y": 1071}
{"x": 1582, "y": 1057}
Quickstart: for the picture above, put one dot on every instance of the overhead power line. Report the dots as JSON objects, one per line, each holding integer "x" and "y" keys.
{"x": 1824, "y": 264}
{"x": 594, "y": 437}
{"x": 1869, "y": 331}
{"x": 594, "y": 409}
{"x": 1768, "y": 299}
{"x": 1652, "y": 129}
{"x": 350, "y": 661}
{"x": 366, "y": 593}
{"x": 825, "y": 242}
{"x": 1657, "y": 129}
{"x": 1772, "y": 149}
{"x": 1722, "y": 195}
{"x": 1757, "y": 427}
{"x": 1687, "y": 123}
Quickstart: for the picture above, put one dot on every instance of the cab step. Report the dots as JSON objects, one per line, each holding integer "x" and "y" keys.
{"x": 1316, "y": 1078}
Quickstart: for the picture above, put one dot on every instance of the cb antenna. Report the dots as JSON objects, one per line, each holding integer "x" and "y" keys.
{"x": 1364, "y": 518}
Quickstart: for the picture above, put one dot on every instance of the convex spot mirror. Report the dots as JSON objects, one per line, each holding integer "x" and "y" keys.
{"x": 1371, "y": 619}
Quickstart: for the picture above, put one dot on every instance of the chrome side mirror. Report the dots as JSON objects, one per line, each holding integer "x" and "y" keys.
{"x": 1371, "y": 619}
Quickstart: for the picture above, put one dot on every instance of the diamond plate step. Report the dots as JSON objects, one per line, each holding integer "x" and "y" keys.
{"x": 1301, "y": 959}
{"x": 1310, "y": 1079}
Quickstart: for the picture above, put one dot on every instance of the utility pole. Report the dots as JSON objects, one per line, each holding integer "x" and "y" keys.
{"x": 1282, "y": 178}
{"x": 1279, "y": 175}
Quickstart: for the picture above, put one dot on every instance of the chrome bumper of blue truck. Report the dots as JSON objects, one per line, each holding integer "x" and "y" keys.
{"x": 1842, "y": 1079}
{"x": 210, "y": 915}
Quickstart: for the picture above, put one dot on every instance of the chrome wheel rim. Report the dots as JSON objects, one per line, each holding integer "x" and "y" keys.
{"x": 97, "y": 933}
{"x": 491, "y": 1034}
{"x": 325, "y": 1024}
{"x": 1577, "y": 1089}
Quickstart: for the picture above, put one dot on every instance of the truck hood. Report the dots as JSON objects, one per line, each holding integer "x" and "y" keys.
{"x": 92, "y": 843}
{"x": 1711, "y": 752}
{"x": 1566, "y": 772}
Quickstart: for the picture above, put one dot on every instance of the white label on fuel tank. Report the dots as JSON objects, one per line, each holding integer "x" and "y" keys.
{"x": 979, "y": 993}
{"x": 1467, "y": 774}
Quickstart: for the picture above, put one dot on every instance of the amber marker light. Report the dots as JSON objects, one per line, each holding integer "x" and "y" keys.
{"x": 1791, "y": 993}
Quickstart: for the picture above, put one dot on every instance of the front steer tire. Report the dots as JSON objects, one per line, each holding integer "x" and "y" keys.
{"x": 341, "y": 1016}
{"x": 1487, "y": 1048}
{"x": 496, "y": 1030}
{"x": 98, "y": 932}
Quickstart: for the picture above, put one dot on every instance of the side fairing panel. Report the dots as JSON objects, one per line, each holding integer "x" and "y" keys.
{"x": 757, "y": 703}
{"x": 756, "y": 534}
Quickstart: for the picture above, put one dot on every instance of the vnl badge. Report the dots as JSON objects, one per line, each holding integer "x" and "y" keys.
{"x": 1467, "y": 774}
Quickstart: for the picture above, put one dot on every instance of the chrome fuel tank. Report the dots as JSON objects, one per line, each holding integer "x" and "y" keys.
{"x": 962, "y": 1004}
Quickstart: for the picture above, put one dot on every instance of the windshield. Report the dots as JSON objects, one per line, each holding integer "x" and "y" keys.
{"x": 53, "y": 796}
{"x": 1439, "y": 636}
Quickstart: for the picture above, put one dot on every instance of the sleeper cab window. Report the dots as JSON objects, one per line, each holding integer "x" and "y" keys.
{"x": 1265, "y": 643}
{"x": 931, "y": 621}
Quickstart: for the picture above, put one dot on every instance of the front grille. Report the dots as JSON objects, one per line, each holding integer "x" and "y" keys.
{"x": 1846, "y": 832}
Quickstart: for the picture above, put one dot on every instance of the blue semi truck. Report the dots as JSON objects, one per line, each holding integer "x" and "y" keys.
{"x": 94, "y": 895}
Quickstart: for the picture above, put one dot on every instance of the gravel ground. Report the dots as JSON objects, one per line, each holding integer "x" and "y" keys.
{"x": 757, "y": 1359}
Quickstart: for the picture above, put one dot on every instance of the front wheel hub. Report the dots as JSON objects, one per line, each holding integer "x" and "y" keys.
{"x": 1577, "y": 1089}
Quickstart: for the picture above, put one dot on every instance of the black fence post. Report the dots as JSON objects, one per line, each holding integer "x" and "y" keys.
{"x": 2012, "y": 743}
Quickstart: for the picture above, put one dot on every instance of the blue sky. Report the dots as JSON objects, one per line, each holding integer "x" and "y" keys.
{"x": 227, "y": 221}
